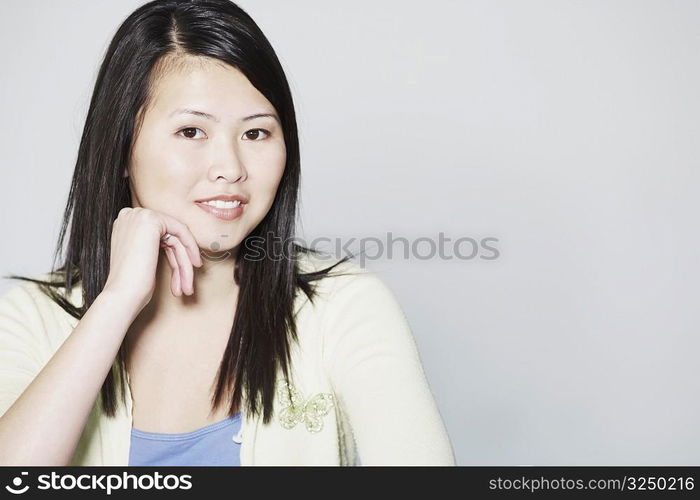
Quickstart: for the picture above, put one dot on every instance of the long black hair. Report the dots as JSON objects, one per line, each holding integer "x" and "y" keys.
{"x": 146, "y": 44}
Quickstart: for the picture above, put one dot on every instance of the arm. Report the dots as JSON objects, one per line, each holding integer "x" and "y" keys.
{"x": 44, "y": 409}
{"x": 378, "y": 378}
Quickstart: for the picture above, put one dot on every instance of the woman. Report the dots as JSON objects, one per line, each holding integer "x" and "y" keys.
{"x": 245, "y": 353}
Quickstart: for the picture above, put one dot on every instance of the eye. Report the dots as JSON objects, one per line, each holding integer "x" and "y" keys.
{"x": 189, "y": 131}
{"x": 253, "y": 134}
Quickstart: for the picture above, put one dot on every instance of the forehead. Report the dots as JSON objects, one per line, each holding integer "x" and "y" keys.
{"x": 206, "y": 83}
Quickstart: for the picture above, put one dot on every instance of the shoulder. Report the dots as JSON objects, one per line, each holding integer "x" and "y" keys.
{"x": 347, "y": 284}
{"x": 357, "y": 307}
{"x": 25, "y": 303}
{"x": 23, "y": 290}
{"x": 21, "y": 295}
{"x": 22, "y": 323}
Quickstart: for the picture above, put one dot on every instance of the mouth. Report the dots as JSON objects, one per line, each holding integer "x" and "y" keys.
{"x": 221, "y": 203}
{"x": 224, "y": 210}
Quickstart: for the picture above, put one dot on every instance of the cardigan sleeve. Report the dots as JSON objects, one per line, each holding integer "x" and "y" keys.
{"x": 378, "y": 379}
{"x": 21, "y": 335}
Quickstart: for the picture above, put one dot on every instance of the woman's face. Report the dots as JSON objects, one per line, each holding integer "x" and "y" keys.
{"x": 201, "y": 137}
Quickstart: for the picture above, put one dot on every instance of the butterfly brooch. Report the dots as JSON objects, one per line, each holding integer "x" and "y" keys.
{"x": 295, "y": 409}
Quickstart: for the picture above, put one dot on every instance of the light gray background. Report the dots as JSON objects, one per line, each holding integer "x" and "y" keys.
{"x": 566, "y": 129}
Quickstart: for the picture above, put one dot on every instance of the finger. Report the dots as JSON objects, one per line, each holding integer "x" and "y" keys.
{"x": 177, "y": 228}
{"x": 175, "y": 278}
{"x": 186, "y": 269}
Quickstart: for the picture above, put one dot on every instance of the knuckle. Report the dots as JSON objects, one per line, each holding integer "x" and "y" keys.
{"x": 147, "y": 215}
{"x": 124, "y": 211}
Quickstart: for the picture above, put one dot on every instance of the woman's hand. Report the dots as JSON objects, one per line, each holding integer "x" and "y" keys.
{"x": 137, "y": 236}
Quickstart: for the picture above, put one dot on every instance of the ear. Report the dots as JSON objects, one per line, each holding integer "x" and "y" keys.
{"x": 125, "y": 173}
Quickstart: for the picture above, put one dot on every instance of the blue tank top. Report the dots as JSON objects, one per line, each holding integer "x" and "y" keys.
{"x": 215, "y": 444}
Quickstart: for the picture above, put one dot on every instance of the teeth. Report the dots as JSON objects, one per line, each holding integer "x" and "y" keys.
{"x": 222, "y": 204}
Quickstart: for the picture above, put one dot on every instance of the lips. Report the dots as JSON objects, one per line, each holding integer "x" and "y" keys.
{"x": 227, "y": 214}
{"x": 225, "y": 197}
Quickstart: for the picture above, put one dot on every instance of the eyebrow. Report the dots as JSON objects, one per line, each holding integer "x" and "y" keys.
{"x": 188, "y": 111}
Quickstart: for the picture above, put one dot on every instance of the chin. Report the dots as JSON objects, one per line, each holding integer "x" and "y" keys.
{"x": 215, "y": 257}
{"x": 218, "y": 242}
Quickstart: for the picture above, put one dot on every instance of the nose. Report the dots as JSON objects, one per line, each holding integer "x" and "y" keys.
{"x": 227, "y": 163}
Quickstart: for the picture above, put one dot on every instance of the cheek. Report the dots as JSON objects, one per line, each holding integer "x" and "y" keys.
{"x": 275, "y": 168}
{"x": 264, "y": 177}
{"x": 160, "y": 176}
{"x": 270, "y": 183}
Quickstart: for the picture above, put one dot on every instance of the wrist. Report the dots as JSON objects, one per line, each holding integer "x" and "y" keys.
{"x": 121, "y": 300}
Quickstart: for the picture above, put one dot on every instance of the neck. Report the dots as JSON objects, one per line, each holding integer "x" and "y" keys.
{"x": 213, "y": 285}
{"x": 214, "y": 299}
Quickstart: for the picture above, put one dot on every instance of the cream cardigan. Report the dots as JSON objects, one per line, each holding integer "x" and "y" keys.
{"x": 358, "y": 389}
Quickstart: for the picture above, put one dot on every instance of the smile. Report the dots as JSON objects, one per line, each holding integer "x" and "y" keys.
{"x": 224, "y": 210}
{"x": 221, "y": 203}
